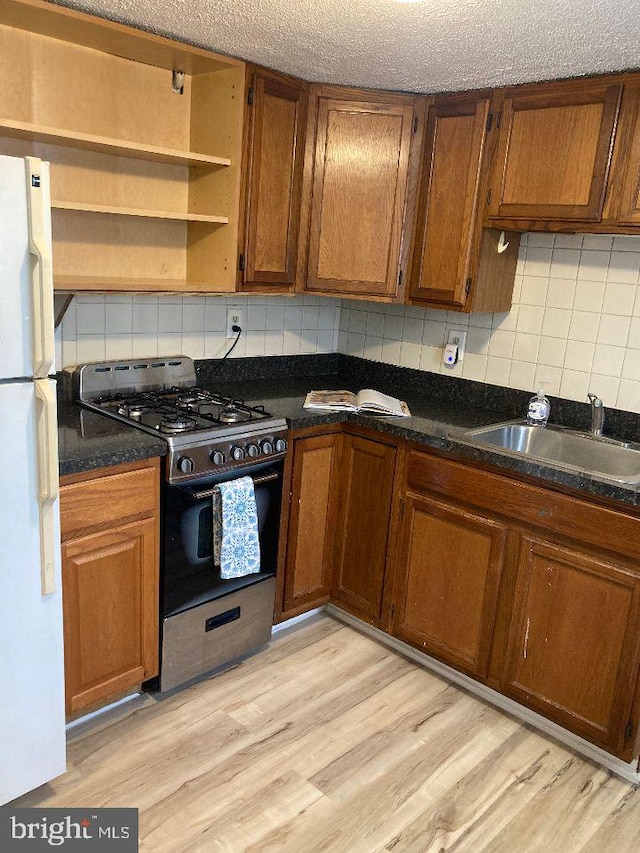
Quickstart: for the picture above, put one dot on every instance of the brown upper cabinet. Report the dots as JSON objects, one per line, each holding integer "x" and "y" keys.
{"x": 623, "y": 204}
{"x": 456, "y": 264}
{"x": 275, "y": 111}
{"x": 145, "y": 162}
{"x": 554, "y": 151}
{"x": 356, "y": 179}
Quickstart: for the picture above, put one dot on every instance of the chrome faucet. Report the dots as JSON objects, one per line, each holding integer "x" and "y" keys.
{"x": 597, "y": 414}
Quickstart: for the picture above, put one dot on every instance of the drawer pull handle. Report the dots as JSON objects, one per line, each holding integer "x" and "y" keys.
{"x": 222, "y": 619}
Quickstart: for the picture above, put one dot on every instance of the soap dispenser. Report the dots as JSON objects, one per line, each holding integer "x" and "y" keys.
{"x": 539, "y": 410}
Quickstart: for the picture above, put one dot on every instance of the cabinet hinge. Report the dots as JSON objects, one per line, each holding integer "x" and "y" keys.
{"x": 241, "y": 263}
{"x": 250, "y": 96}
{"x": 489, "y": 196}
{"x": 415, "y": 124}
{"x": 467, "y": 286}
{"x": 499, "y": 120}
{"x": 400, "y": 277}
{"x": 628, "y": 730}
{"x": 489, "y": 122}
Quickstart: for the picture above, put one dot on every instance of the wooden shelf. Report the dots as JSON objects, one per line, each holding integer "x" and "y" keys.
{"x": 107, "y": 145}
{"x": 104, "y": 284}
{"x": 141, "y": 204}
{"x": 138, "y": 211}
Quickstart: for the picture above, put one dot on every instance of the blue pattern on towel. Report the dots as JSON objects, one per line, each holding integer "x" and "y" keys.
{"x": 240, "y": 545}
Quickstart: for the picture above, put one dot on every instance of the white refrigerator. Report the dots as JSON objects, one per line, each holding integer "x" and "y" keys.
{"x": 32, "y": 721}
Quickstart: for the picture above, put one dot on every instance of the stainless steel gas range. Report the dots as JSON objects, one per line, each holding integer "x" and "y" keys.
{"x": 206, "y": 621}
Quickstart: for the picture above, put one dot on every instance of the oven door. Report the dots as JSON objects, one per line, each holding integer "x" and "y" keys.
{"x": 189, "y": 575}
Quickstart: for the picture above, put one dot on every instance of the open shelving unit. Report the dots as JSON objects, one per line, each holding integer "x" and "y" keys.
{"x": 145, "y": 176}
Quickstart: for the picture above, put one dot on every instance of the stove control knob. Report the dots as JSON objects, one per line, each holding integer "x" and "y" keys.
{"x": 266, "y": 446}
{"x": 281, "y": 445}
{"x": 237, "y": 452}
{"x": 185, "y": 464}
{"x": 217, "y": 457}
{"x": 253, "y": 450}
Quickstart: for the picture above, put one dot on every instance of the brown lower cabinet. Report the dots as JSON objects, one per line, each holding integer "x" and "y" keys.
{"x": 364, "y": 498}
{"x": 451, "y": 563}
{"x": 109, "y": 524}
{"x": 573, "y": 642}
{"x": 529, "y": 590}
{"x": 307, "y": 579}
{"x": 339, "y": 522}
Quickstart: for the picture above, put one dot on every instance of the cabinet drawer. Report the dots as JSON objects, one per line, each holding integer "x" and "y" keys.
{"x": 103, "y": 500}
{"x": 562, "y": 515}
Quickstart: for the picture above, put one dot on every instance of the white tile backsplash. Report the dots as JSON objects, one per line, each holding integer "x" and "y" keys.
{"x": 96, "y": 327}
{"x": 574, "y": 325}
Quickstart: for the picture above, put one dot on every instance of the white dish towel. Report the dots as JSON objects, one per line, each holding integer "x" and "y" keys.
{"x": 236, "y": 545}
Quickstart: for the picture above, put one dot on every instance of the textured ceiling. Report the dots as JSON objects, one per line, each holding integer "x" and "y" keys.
{"x": 429, "y": 46}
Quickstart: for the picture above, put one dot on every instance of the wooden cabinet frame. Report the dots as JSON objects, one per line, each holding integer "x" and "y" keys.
{"x": 144, "y": 184}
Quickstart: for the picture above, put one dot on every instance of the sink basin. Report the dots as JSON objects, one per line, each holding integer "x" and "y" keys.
{"x": 577, "y": 451}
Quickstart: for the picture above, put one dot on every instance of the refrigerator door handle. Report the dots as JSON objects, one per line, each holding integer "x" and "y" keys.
{"x": 46, "y": 421}
{"x": 39, "y": 210}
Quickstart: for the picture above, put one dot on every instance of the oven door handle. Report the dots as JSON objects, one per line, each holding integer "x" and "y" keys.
{"x": 262, "y": 478}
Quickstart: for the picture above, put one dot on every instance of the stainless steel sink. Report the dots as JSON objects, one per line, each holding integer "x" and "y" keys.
{"x": 577, "y": 451}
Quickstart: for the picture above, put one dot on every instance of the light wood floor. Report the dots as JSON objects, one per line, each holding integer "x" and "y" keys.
{"x": 329, "y": 742}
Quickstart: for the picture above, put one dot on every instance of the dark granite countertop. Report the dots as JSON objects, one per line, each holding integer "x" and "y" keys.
{"x": 436, "y": 423}
{"x": 441, "y": 408}
{"x": 87, "y": 440}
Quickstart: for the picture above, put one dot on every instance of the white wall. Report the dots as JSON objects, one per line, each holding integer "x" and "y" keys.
{"x": 98, "y": 327}
{"x": 574, "y": 325}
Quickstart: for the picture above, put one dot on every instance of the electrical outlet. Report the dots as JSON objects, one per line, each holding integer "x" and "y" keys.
{"x": 234, "y": 318}
{"x": 458, "y": 338}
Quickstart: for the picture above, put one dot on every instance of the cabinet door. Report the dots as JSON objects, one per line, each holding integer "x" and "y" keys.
{"x": 448, "y": 577}
{"x": 273, "y": 182}
{"x": 553, "y": 155}
{"x": 110, "y": 600}
{"x": 358, "y": 199}
{"x": 364, "y": 499}
{"x": 573, "y": 644}
{"x": 630, "y": 208}
{"x": 311, "y": 524}
{"x": 447, "y": 213}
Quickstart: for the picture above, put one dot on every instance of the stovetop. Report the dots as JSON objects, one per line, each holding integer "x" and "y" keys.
{"x": 207, "y": 433}
{"x": 175, "y": 411}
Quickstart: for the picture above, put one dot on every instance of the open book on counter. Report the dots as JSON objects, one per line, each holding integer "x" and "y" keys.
{"x": 366, "y": 400}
